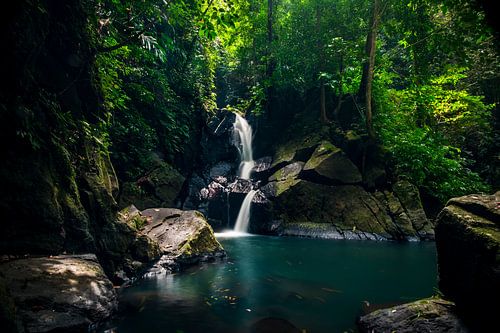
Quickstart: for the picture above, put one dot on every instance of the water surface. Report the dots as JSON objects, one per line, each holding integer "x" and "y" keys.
{"x": 318, "y": 285}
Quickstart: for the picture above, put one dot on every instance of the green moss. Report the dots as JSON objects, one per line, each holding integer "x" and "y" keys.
{"x": 286, "y": 184}
{"x": 322, "y": 152}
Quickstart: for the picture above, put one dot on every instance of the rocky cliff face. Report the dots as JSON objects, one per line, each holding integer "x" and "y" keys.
{"x": 58, "y": 186}
{"x": 309, "y": 187}
{"x": 315, "y": 189}
{"x": 468, "y": 249}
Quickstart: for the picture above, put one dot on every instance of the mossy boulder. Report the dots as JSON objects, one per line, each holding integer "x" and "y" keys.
{"x": 183, "y": 235}
{"x": 287, "y": 172}
{"x": 306, "y": 208}
{"x": 60, "y": 293}
{"x": 297, "y": 150}
{"x": 427, "y": 315}
{"x": 348, "y": 208}
{"x": 468, "y": 248}
{"x": 331, "y": 165}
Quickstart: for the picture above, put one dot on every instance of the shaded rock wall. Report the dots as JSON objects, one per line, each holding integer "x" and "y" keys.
{"x": 468, "y": 248}
{"x": 468, "y": 245}
{"x": 57, "y": 183}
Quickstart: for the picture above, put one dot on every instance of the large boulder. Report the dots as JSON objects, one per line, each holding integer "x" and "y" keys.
{"x": 331, "y": 165}
{"x": 468, "y": 247}
{"x": 427, "y": 315}
{"x": 61, "y": 293}
{"x": 348, "y": 209}
{"x": 184, "y": 236}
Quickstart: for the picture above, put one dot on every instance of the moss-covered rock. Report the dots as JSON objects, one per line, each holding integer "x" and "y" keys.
{"x": 287, "y": 172}
{"x": 427, "y": 315}
{"x": 183, "y": 235}
{"x": 331, "y": 164}
{"x": 348, "y": 208}
{"x": 468, "y": 247}
{"x": 297, "y": 150}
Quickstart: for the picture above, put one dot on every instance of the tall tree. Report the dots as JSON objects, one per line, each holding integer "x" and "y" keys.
{"x": 367, "y": 79}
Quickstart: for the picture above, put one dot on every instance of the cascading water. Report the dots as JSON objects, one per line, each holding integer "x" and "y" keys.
{"x": 244, "y": 132}
{"x": 244, "y": 215}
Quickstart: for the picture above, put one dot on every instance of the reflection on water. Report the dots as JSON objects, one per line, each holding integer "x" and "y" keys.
{"x": 318, "y": 285}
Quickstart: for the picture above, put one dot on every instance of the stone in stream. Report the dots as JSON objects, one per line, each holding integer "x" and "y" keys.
{"x": 185, "y": 237}
{"x": 427, "y": 315}
{"x": 60, "y": 293}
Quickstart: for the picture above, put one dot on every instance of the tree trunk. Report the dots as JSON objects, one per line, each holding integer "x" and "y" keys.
{"x": 322, "y": 99}
{"x": 367, "y": 79}
{"x": 321, "y": 54}
{"x": 336, "y": 112}
{"x": 270, "y": 61}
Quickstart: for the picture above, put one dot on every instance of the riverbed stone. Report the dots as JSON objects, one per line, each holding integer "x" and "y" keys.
{"x": 468, "y": 248}
{"x": 423, "y": 316}
{"x": 59, "y": 293}
{"x": 183, "y": 235}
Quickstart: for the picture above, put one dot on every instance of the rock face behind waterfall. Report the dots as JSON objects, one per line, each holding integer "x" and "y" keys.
{"x": 316, "y": 190}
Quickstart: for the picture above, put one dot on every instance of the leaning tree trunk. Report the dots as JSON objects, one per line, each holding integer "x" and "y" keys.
{"x": 367, "y": 79}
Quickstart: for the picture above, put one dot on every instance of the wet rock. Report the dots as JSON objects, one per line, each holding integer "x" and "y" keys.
{"x": 61, "y": 293}
{"x": 330, "y": 165}
{"x": 240, "y": 186}
{"x": 397, "y": 213}
{"x": 409, "y": 198}
{"x": 468, "y": 248}
{"x": 184, "y": 236}
{"x": 262, "y": 164}
{"x": 427, "y": 315}
{"x": 213, "y": 191}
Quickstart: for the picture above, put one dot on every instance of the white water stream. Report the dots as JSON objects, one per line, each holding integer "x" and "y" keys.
{"x": 244, "y": 132}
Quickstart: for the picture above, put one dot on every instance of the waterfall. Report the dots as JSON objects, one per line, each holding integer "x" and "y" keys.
{"x": 244, "y": 215}
{"x": 243, "y": 136}
{"x": 244, "y": 132}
